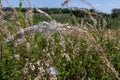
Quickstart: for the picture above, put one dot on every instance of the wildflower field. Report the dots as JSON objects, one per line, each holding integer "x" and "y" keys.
{"x": 39, "y": 46}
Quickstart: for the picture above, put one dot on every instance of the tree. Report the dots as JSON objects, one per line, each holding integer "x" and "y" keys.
{"x": 116, "y": 13}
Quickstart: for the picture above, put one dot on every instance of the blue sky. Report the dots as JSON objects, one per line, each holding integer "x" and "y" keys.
{"x": 100, "y": 5}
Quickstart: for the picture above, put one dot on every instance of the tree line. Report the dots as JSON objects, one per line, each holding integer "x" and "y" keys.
{"x": 77, "y": 12}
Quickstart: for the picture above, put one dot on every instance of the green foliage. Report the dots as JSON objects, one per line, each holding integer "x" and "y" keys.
{"x": 113, "y": 23}
{"x": 39, "y": 18}
{"x": 10, "y": 67}
{"x": 20, "y": 15}
{"x": 69, "y": 54}
{"x": 116, "y": 13}
{"x": 20, "y": 6}
{"x": 68, "y": 18}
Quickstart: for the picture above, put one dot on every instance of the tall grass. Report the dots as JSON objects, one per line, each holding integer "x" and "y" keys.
{"x": 69, "y": 52}
{"x": 74, "y": 55}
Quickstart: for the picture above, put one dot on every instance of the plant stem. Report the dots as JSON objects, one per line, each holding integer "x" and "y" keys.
{"x": 1, "y": 38}
{"x": 0, "y": 61}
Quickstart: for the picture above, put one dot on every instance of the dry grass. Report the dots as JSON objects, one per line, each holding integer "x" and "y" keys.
{"x": 57, "y": 45}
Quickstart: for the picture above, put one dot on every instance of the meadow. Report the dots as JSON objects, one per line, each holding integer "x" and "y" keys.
{"x": 112, "y": 23}
{"x": 82, "y": 49}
